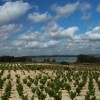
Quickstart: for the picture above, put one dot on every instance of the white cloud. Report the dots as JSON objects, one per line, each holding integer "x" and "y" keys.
{"x": 98, "y": 8}
{"x": 86, "y": 16}
{"x": 70, "y": 32}
{"x": 11, "y": 28}
{"x": 51, "y": 43}
{"x": 7, "y": 30}
{"x": 66, "y": 10}
{"x": 12, "y": 10}
{"x": 36, "y": 7}
{"x": 32, "y": 36}
{"x": 51, "y": 31}
{"x": 78, "y": 44}
{"x": 6, "y": 0}
{"x": 85, "y": 6}
{"x": 26, "y": 44}
{"x": 32, "y": 44}
{"x": 3, "y": 36}
{"x": 56, "y": 32}
{"x": 6, "y": 48}
{"x": 93, "y": 35}
{"x": 39, "y": 18}
{"x": 18, "y": 43}
{"x": 88, "y": 36}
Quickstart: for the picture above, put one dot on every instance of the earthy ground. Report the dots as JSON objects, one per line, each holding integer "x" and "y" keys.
{"x": 63, "y": 77}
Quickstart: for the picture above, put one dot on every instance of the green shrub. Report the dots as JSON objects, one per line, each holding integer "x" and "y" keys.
{"x": 64, "y": 63}
{"x": 73, "y": 95}
{"x": 93, "y": 98}
{"x": 43, "y": 81}
{"x": 1, "y": 83}
{"x": 78, "y": 90}
{"x": 67, "y": 87}
{"x": 87, "y": 96}
{"x": 20, "y": 89}
{"x": 25, "y": 81}
{"x": 58, "y": 96}
{"x": 29, "y": 84}
{"x": 33, "y": 90}
{"x": 24, "y": 97}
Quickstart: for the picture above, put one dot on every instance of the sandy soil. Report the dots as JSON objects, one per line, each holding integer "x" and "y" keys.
{"x": 33, "y": 74}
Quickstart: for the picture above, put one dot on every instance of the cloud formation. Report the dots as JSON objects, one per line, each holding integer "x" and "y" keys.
{"x": 84, "y": 6}
{"x": 98, "y": 8}
{"x": 7, "y": 30}
{"x": 86, "y": 16}
{"x": 66, "y": 10}
{"x": 55, "y": 35}
{"x": 54, "y": 31}
{"x": 12, "y": 10}
{"x": 93, "y": 35}
{"x": 39, "y": 18}
{"x": 79, "y": 43}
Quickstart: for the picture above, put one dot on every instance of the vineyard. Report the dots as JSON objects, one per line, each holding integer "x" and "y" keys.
{"x": 47, "y": 82}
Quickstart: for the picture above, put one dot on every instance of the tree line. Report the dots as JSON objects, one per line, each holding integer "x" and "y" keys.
{"x": 14, "y": 59}
{"x": 88, "y": 59}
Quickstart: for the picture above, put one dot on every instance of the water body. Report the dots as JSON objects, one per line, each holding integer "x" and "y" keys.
{"x": 58, "y": 59}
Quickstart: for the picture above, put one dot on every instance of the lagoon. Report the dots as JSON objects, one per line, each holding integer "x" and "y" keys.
{"x": 57, "y": 59}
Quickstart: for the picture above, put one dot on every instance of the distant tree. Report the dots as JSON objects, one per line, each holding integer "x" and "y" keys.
{"x": 14, "y": 59}
{"x": 64, "y": 63}
{"x": 44, "y": 60}
{"x": 87, "y": 59}
{"x": 48, "y": 60}
{"x": 53, "y": 60}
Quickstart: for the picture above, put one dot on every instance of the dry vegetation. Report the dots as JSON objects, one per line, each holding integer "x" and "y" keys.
{"x": 48, "y": 82}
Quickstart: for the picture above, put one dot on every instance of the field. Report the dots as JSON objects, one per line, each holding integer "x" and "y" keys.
{"x": 19, "y": 81}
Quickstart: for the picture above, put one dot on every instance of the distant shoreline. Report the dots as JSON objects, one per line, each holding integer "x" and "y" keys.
{"x": 56, "y": 56}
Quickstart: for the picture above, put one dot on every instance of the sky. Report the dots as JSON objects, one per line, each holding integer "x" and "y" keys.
{"x": 49, "y": 27}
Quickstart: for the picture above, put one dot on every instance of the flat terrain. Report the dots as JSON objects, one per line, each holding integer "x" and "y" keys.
{"x": 48, "y": 82}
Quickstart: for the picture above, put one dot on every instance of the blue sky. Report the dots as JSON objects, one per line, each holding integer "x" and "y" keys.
{"x": 36, "y": 27}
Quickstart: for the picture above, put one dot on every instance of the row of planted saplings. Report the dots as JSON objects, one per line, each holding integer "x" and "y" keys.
{"x": 96, "y": 76}
{"x": 91, "y": 93}
{"x": 17, "y": 66}
{"x": 11, "y": 66}
{"x": 7, "y": 90}
{"x": 80, "y": 79}
{"x": 2, "y": 79}
{"x": 19, "y": 88}
{"x": 53, "y": 86}
{"x": 5, "y": 66}
{"x": 45, "y": 85}
{"x": 41, "y": 67}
